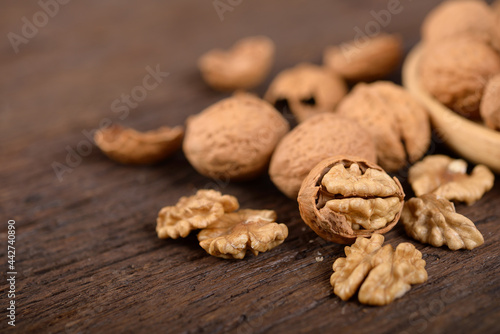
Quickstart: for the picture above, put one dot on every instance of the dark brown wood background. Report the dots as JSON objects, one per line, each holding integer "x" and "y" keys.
{"x": 88, "y": 259}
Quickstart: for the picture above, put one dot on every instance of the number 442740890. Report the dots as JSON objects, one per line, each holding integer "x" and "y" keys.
{"x": 11, "y": 236}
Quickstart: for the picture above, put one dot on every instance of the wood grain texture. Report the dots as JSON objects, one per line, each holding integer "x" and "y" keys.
{"x": 87, "y": 254}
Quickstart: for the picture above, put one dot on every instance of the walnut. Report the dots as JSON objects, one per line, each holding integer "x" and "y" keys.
{"x": 447, "y": 178}
{"x": 451, "y": 19}
{"x": 367, "y": 60}
{"x": 382, "y": 273}
{"x": 306, "y": 90}
{"x": 234, "y": 233}
{"x": 234, "y": 138}
{"x": 128, "y": 146}
{"x": 433, "y": 220}
{"x": 490, "y": 104}
{"x": 455, "y": 72}
{"x": 343, "y": 198}
{"x": 317, "y": 138}
{"x": 397, "y": 122}
{"x": 244, "y": 66}
{"x": 193, "y": 212}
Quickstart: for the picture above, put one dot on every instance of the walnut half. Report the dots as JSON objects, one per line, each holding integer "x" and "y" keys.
{"x": 380, "y": 273}
{"x": 234, "y": 233}
{"x": 433, "y": 220}
{"x": 343, "y": 198}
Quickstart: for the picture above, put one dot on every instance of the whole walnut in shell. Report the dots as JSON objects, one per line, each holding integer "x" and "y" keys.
{"x": 366, "y": 60}
{"x": 234, "y": 138}
{"x": 346, "y": 197}
{"x": 398, "y": 124}
{"x": 464, "y": 18}
{"x": 490, "y": 104}
{"x": 456, "y": 71}
{"x": 317, "y": 138}
{"x": 306, "y": 90}
{"x": 244, "y": 66}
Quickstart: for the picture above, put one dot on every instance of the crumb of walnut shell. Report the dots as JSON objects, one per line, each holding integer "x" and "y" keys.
{"x": 448, "y": 178}
{"x": 366, "y": 60}
{"x": 345, "y": 197}
{"x": 193, "y": 212}
{"x": 306, "y": 90}
{"x": 380, "y": 273}
{"x": 317, "y": 138}
{"x": 244, "y": 66}
{"x": 129, "y": 146}
{"x": 456, "y": 71}
{"x": 490, "y": 104}
{"x": 231, "y": 236}
{"x": 433, "y": 220}
{"x": 398, "y": 124}
{"x": 234, "y": 138}
{"x": 452, "y": 19}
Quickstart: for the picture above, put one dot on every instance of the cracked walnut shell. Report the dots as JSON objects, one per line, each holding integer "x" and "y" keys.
{"x": 234, "y": 138}
{"x": 129, "y": 146}
{"x": 380, "y": 273}
{"x": 398, "y": 124}
{"x": 231, "y": 236}
{"x": 366, "y": 60}
{"x": 193, "y": 212}
{"x": 433, "y": 220}
{"x": 317, "y": 138}
{"x": 456, "y": 71}
{"x": 343, "y": 198}
{"x": 244, "y": 66}
{"x": 490, "y": 104}
{"x": 306, "y": 90}
{"x": 455, "y": 19}
{"x": 448, "y": 178}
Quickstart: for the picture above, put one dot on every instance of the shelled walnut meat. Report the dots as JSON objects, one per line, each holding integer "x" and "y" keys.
{"x": 234, "y": 138}
{"x": 398, "y": 124}
{"x": 345, "y": 197}
{"x": 433, "y": 220}
{"x": 244, "y": 66}
{"x": 448, "y": 178}
{"x": 365, "y": 60}
{"x": 232, "y": 235}
{"x": 380, "y": 273}
{"x": 455, "y": 72}
{"x": 453, "y": 19}
{"x": 317, "y": 138}
{"x": 193, "y": 212}
{"x": 129, "y": 146}
{"x": 490, "y": 104}
{"x": 306, "y": 90}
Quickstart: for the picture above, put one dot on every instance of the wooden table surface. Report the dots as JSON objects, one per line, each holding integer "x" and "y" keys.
{"x": 87, "y": 255}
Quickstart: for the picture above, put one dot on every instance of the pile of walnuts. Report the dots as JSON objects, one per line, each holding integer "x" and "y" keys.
{"x": 335, "y": 162}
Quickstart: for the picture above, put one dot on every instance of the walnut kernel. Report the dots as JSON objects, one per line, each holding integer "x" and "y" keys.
{"x": 193, "y": 212}
{"x": 231, "y": 236}
{"x": 448, "y": 178}
{"x": 433, "y": 220}
{"x": 129, "y": 146}
{"x": 490, "y": 104}
{"x": 343, "y": 198}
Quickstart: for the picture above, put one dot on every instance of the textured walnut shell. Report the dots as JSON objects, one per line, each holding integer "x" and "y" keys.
{"x": 366, "y": 60}
{"x": 398, "y": 124}
{"x": 306, "y": 90}
{"x": 334, "y": 227}
{"x": 464, "y": 18}
{"x": 456, "y": 71}
{"x": 244, "y": 66}
{"x": 234, "y": 138}
{"x": 129, "y": 146}
{"x": 317, "y": 138}
{"x": 490, "y": 104}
